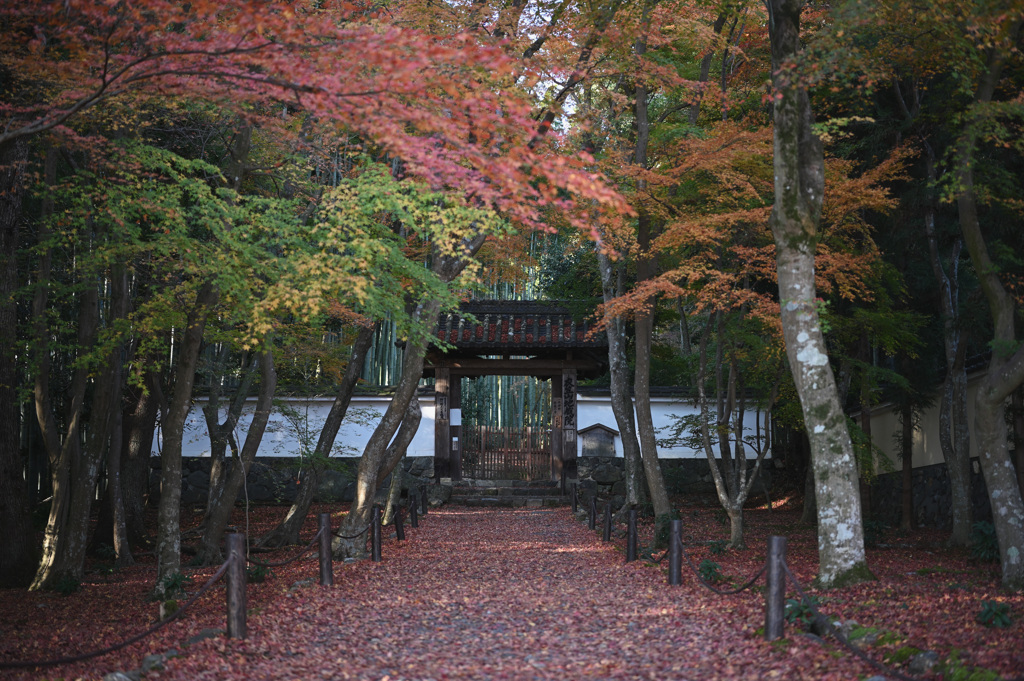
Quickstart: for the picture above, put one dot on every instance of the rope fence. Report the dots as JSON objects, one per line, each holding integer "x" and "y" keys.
{"x": 52, "y": 662}
{"x": 775, "y": 570}
{"x": 232, "y": 570}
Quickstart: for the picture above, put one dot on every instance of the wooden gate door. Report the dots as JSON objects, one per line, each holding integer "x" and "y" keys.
{"x": 492, "y": 453}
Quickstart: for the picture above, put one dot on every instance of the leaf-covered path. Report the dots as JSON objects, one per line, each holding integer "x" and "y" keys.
{"x": 489, "y": 594}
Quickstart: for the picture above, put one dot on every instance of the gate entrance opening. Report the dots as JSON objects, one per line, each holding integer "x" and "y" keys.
{"x": 510, "y": 338}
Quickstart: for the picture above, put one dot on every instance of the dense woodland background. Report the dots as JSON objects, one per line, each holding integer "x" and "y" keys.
{"x": 234, "y": 198}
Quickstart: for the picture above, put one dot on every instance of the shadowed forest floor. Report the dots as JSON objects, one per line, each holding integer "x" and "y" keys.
{"x": 529, "y": 594}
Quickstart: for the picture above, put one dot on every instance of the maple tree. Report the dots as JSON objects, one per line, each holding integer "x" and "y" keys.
{"x": 257, "y": 61}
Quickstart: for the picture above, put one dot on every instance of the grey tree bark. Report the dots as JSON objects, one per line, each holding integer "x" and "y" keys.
{"x": 219, "y": 513}
{"x": 222, "y": 433}
{"x": 287, "y": 532}
{"x": 374, "y": 463}
{"x": 1006, "y": 367}
{"x": 799, "y": 186}
{"x": 732, "y": 477}
{"x": 646, "y": 268}
{"x": 168, "y": 543}
{"x": 74, "y": 472}
{"x": 954, "y": 430}
{"x": 622, "y": 401}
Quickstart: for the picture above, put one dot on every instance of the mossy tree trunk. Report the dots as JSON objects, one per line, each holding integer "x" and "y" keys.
{"x": 1006, "y": 367}
{"x": 799, "y": 186}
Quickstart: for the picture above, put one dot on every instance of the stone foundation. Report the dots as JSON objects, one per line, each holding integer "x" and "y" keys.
{"x": 272, "y": 480}
{"x": 933, "y": 498}
{"x": 605, "y": 476}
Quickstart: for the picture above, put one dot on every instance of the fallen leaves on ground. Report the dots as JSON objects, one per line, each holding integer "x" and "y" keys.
{"x": 525, "y": 594}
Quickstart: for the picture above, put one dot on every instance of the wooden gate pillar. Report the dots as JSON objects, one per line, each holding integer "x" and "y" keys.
{"x": 569, "y": 412}
{"x": 455, "y": 430}
{"x": 442, "y": 434}
{"x": 556, "y": 427}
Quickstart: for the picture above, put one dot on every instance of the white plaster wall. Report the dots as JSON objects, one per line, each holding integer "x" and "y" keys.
{"x": 885, "y": 425}
{"x": 283, "y": 437}
{"x": 593, "y": 410}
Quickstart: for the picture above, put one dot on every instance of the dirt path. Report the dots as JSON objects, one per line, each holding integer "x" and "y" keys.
{"x": 494, "y": 594}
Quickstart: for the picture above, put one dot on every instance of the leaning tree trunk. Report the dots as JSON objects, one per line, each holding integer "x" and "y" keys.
{"x": 371, "y": 464}
{"x": 287, "y": 532}
{"x": 18, "y": 559}
{"x": 218, "y": 515}
{"x": 1006, "y": 367}
{"x": 222, "y": 434}
{"x": 396, "y": 452}
{"x": 622, "y": 402}
{"x": 374, "y": 463}
{"x": 168, "y": 543}
{"x": 799, "y": 185}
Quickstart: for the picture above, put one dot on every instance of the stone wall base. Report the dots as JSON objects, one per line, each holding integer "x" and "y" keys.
{"x": 933, "y": 498}
{"x": 605, "y": 476}
{"x": 273, "y": 479}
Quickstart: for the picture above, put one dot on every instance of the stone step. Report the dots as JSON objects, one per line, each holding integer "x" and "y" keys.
{"x": 510, "y": 502}
{"x": 506, "y": 492}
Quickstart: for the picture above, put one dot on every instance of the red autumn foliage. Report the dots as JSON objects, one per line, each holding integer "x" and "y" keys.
{"x": 479, "y": 593}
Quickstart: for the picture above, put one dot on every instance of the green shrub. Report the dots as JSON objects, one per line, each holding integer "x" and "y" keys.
{"x": 174, "y": 585}
{"x": 984, "y": 544}
{"x": 710, "y": 571}
{"x": 874, "y": 532}
{"x": 799, "y": 612}
{"x": 67, "y": 585}
{"x": 718, "y": 547}
{"x": 258, "y": 574}
{"x": 995, "y": 614}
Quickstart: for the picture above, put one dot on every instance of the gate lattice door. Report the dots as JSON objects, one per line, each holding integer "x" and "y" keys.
{"x": 491, "y": 453}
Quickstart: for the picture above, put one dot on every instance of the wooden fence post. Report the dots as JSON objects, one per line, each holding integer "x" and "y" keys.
{"x": 775, "y": 592}
{"x": 236, "y": 586}
{"x": 675, "y": 553}
{"x": 607, "y": 534}
{"x": 326, "y": 559}
{"x": 631, "y": 537}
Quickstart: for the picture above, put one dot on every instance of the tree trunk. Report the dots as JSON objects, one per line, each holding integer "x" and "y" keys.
{"x": 218, "y": 515}
{"x": 954, "y": 431}
{"x": 18, "y": 558}
{"x": 287, "y": 532}
{"x": 646, "y": 268}
{"x": 168, "y": 543}
{"x": 372, "y": 467}
{"x": 222, "y": 434}
{"x": 74, "y": 475}
{"x": 138, "y": 427}
{"x": 907, "y": 523}
{"x": 1006, "y": 367}
{"x": 809, "y": 512}
{"x": 112, "y": 433}
{"x": 799, "y": 185}
{"x": 621, "y": 401}
{"x": 1018, "y": 437}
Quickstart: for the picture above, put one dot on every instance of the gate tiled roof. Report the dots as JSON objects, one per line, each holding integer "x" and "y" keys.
{"x": 516, "y": 326}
